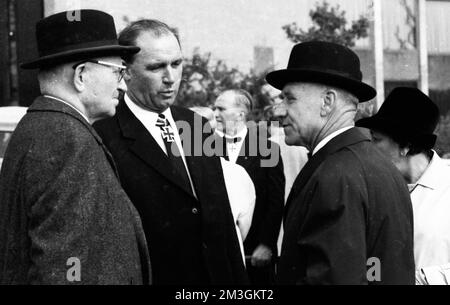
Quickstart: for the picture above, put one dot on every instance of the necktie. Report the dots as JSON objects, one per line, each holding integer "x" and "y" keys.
{"x": 173, "y": 152}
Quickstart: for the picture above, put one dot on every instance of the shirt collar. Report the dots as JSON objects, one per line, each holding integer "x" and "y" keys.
{"x": 145, "y": 115}
{"x": 329, "y": 138}
{"x": 241, "y": 134}
{"x": 432, "y": 177}
{"x": 68, "y": 104}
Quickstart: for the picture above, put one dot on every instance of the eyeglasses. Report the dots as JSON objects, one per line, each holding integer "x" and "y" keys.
{"x": 120, "y": 71}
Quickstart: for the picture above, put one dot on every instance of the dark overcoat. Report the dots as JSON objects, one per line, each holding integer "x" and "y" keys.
{"x": 63, "y": 213}
{"x": 191, "y": 240}
{"x": 348, "y": 219}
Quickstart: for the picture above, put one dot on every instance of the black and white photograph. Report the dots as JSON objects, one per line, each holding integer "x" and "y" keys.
{"x": 224, "y": 151}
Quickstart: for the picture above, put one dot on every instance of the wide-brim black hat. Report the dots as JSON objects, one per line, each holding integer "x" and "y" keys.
{"x": 76, "y": 35}
{"x": 407, "y": 115}
{"x": 325, "y": 63}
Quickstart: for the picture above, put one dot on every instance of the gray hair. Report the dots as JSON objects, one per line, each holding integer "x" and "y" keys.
{"x": 345, "y": 96}
{"x": 242, "y": 98}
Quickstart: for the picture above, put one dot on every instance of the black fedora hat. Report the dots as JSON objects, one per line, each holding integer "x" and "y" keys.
{"x": 407, "y": 114}
{"x": 326, "y": 63}
{"x": 62, "y": 39}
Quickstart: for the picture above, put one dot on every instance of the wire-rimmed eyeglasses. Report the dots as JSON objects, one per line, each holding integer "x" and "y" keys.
{"x": 120, "y": 71}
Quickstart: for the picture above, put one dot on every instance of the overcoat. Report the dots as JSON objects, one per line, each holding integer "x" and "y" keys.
{"x": 64, "y": 218}
{"x": 348, "y": 219}
{"x": 192, "y": 240}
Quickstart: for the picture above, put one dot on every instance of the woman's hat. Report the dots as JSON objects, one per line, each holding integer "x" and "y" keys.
{"x": 61, "y": 38}
{"x": 406, "y": 114}
{"x": 325, "y": 63}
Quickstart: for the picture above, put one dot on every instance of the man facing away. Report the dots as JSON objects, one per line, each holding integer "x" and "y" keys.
{"x": 64, "y": 217}
{"x": 179, "y": 192}
{"x": 348, "y": 217}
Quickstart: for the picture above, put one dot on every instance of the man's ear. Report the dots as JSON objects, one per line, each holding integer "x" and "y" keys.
{"x": 404, "y": 151}
{"x": 242, "y": 115}
{"x": 78, "y": 77}
{"x": 329, "y": 98}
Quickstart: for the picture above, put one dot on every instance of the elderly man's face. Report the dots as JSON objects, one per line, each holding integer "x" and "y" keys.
{"x": 153, "y": 79}
{"x": 103, "y": 86}
{"x": 226, "y": 112}
{"x": 299, "y": 113}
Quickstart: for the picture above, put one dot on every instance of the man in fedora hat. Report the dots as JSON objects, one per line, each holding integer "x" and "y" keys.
{"x": 348, "y": 218}
{"x": 64, "y": 217}
{"x": 403, "y": 130}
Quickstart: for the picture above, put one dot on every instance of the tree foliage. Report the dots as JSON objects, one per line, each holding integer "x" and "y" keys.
{"x": 204, "y": 79}
{"x": 329, "y": 24}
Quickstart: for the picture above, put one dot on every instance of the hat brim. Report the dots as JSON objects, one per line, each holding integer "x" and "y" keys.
{"x": 280, "y": 78}
{"x": 397, "y": 131}
{"x": 387, "y": 126}
{"x": 80, "y": 54}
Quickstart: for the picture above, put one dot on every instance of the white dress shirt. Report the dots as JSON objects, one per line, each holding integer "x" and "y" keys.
{"x": 242, "y": 196}
{"x": 148, "y": 119}
{"x": 329, "y": 138}
{"x": 234, "y": 148}
{"x": 430, "y": 197}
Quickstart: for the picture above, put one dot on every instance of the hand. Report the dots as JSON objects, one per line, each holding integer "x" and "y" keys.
{"x": 262, "y": 256}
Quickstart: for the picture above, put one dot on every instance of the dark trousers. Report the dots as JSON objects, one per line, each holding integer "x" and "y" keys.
{"x": 261, "y": 275}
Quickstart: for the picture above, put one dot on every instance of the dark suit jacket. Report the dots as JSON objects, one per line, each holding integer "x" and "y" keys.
{"x": 60, "y": 198}
{"x": 269, "y": 185}
{"x": 347, "y": 205}
{"x": 190, "y": 241}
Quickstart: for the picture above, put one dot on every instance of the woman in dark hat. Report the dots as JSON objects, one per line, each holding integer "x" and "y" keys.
{"x": 403, "y": 130}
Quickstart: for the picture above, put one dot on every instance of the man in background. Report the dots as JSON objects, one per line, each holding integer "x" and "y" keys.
{"x": 249, "y": 148}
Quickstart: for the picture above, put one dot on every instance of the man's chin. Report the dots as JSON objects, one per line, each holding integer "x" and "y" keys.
{"x": 292, "y": 140}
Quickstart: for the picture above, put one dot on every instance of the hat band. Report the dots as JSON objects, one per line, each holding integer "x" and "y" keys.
{"x": 74, "y": 47}
{"x": 313, "y": 68}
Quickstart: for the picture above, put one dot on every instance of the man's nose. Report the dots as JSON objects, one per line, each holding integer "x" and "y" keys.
{"x": 279, "y": 111}
{"x": 122, "y": 86}
{"x": 169, "y": 75}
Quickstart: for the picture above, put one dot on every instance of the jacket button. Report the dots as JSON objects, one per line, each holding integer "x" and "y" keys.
{"x": 194, "y": 211}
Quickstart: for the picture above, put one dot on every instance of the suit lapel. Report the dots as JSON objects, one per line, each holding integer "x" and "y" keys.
{"x": 344, "y": 139}
{"x": 143, "y": 145}
{"x": 247, "y": 154}
{"x": 192, "y": 161}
